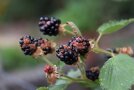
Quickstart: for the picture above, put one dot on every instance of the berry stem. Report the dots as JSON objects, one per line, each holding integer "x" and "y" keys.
{"x": 99, "y": 50}
{"x": 47, "y": 61}
{"x": 74, "y": 28}
{"x": 82, "y": 81}
{"x": 69, "y": 32}
{"x": 90, "y": 83}
{"x": 63, "y": 29}
{"x": 82, "y": 68}
{"x": 98, "y": 39}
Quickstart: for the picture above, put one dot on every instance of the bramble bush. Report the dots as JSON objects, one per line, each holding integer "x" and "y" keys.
{"x": 116, "y": 73}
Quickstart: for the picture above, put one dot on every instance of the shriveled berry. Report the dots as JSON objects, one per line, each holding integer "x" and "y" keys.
{"x": 126, "y": 50}
{"x": 27, "y": 45}
{"x": 93, "y": 73}
{"x": 80, "y": 45}
{"x": 67, "y": 54}
{"x": 49, "y": 25}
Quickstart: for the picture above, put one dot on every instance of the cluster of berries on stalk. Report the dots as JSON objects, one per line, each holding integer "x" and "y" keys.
{"x": 68, "y": 53}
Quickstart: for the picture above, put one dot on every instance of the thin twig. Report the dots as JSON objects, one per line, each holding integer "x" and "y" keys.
{"x": 47, "y": 61}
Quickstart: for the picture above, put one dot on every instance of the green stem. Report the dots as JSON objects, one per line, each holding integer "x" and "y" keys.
{"x": 82, "y": 81}
{"x": 74, "y": 27}
{"x": 99, "y": 50}
{"x": 47, "y": 61}
{"x": 83, "y": 69}
{"x": 69, "y": 32}
{"x": 98, "y": 39}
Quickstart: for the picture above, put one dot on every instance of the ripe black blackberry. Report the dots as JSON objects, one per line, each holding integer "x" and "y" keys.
{"x": 45, "y": 45}
{"x": 93, "y": 73}
{"x": 67, "y": 54}
{"x": 80, "y": 45}
{"x": 49, "y": 25}
{"x": 27, "y": 45}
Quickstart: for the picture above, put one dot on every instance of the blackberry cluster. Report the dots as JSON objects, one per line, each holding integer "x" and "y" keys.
{"x": 93, "y": 73}
{"x": 67, "y": 55}
{"x": 45, "y": 45}
{"x": 28, "y": 45}
{"x": 80, "y": 45}
{"x": 49, "y": 25}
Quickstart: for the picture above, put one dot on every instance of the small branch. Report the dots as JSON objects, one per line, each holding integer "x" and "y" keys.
{"x": 69, "y": 32}
{"x": 99, "y": 50}
{"x": 83, "y": 68}
{"x": 47, "y": 61}
{"x": 75, "y": 28}
{"x": 97, "y": 40}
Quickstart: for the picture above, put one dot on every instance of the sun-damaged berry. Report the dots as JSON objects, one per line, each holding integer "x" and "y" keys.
{"x": 67, "y": 54}
{"x": 49, "y": 25}
{"x": 51, "y": 73}
{"x": 93, "y": 73}
{"x": 27, "y": 45}
{"x": 125, "y": 50}
{"x": 45, "y": 45}
{"x": 80, "y": 45}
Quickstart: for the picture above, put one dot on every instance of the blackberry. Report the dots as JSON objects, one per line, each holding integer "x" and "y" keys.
{"x": 80, "y": 45}
{"x": 93, "y": 73}
{"x": 27, "y": 45}
{"x": 67, "y": 54}
{"x": 45, "y": 45}
{"x": 49, "y": 25}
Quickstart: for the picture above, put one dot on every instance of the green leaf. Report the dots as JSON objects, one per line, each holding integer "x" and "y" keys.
{"x": 74, "y": 73}
{"x": 113, "y": 26}
{"x": 117, "y": 73}
{"x": 58, "y": 87}
{"x": 42, "y": 88}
